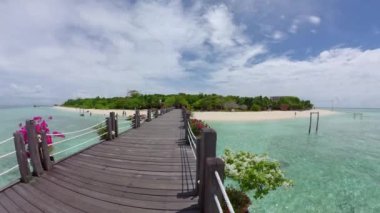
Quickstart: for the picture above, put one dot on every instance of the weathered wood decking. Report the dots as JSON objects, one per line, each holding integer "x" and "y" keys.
{"x": 149, "y": 169}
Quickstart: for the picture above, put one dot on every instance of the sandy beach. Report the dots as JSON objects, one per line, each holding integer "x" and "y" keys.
{"x": 257, "y": 116}
{"x": 104, "y": 112}
{"x": 220, "y": 116}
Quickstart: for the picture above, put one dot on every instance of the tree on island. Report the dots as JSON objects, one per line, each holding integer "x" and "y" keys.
{"x": 202, "y": 102}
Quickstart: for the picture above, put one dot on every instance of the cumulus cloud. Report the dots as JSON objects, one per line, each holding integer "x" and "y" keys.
{"x": 278, "y": 35}
{"x": 54, "y": 50}
{"x": 314, "y": 20}
{"x": 349, "y": 75}
{"x": 303, "y": 20}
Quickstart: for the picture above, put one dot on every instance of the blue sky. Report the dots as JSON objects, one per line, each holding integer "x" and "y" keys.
{"x": 325, "y": 51}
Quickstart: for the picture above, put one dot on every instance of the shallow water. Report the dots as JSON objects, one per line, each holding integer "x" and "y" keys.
{"x": 336, "y": 170}
{"x": 62, "y": 121}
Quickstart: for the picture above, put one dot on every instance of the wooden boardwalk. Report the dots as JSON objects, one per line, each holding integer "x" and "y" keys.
{"x": 149, "y": 169}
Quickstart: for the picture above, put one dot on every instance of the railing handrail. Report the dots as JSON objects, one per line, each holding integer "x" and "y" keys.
{"x": 224, "y": 193}
{"x": 8, "y": 154}
{"x": 77, "y": 131}
{"x": 6, "y": 140}
{"x": 99, "y": 136}
{"x": 9, "y": 170}
{"x": 77, "y": 136}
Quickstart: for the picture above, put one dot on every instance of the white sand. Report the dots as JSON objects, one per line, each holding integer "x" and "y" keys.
{"x": 220, "y": 116}
{"x": 257, "y": 116}
{"x": 104, "y": 112}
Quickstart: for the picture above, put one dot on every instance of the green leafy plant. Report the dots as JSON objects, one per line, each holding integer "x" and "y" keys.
{"x": 102, "y": 129}
{"x": 257, "y": 173}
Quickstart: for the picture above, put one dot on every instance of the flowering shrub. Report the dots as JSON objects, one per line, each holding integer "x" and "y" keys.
{"x": 41, "y": 126}
{"x": 197, "y": 125}
{"x": 254, "y": 172}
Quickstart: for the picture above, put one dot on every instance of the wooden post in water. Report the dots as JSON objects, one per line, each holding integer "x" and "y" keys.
{"x": 310, "y": 122}
{"x": 211, "y": 184}
{"x": 34, "y": 151}
{"x": 109, "y": 129}
{"x": 316, "y": 128}
{"x": 207, "y": 149}
{"x": 45, "y": 156}
{"x": 22, "y": 158}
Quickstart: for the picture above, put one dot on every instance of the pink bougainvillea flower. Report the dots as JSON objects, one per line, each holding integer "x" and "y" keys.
{"x": 44, "y": 126}
{"x": 49, "y": 139}
{"x": 40, "y": 126}
{"x": 37, "y": 118}
{"x": 38, "y": 129}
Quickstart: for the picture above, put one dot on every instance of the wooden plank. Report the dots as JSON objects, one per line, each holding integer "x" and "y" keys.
{"x": 8, "y": 204}
{"x": 21, "y": 202}
{"x": 41, "y": 200}
{"x": 124, "y": 201}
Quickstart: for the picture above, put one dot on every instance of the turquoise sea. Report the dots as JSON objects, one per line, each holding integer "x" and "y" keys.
{"x": 62, "y": 121}
{"x": 336, "y": 170}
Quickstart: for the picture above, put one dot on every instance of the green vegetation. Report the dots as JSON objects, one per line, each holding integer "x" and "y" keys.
{"x": 203, "y": 102}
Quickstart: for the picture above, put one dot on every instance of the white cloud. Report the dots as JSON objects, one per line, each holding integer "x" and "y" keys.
{"x": 54, "y": 50}
{"x": 223, "y": 31}
{"x": 314, "y": 20}
{"x": 303, "y": 20}
{"x": 349, "y": 74}
{"x": 278, "y": 35}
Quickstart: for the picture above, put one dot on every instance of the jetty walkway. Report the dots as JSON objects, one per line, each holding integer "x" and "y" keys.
{"x": 152, "y": 168}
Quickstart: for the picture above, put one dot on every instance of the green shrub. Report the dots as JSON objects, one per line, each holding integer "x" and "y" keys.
{"x": 254, "y": 172}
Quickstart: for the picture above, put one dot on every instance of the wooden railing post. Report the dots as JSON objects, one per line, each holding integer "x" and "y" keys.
{"x": 22, "y": 158}
{"x": 138, "y": 118}
{"x": 149, "y": 115}
{"x": 116, "y": 126}
{"x": 112, "y": 124}
{"x": 187, "y": 119}
{"x": 33, "y": 146}
{"x": 45, "y": 156}
{"x": 198, "y": 162}
{"x": 211, "y": 184}
{"x": 207, "y": 149}
{"x": 109, "y": 129}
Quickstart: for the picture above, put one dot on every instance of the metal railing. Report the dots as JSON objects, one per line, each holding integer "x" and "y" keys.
{"x": 225, "y": 196}
{"x": 207, "y": 171}
{"x": 4, "y": 172}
